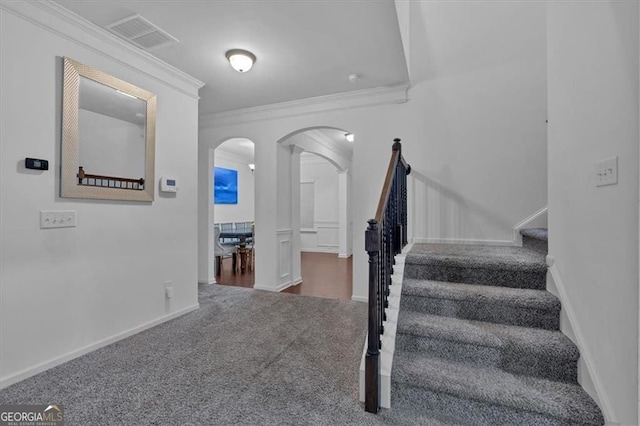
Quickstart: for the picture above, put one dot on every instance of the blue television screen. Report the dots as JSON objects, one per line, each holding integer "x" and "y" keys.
{"x": 225, "y": 189}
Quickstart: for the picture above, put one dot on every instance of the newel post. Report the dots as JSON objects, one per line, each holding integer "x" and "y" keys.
{"x": 372, "y": 366}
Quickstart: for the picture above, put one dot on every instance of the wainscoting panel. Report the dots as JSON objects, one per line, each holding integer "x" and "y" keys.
{"x": 284, "y": 256}
{"x": 323, "y": 238}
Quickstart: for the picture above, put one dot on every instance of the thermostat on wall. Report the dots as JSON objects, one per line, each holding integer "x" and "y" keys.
{"x": 168, "y": 184}
{"x": 36, "y": 164}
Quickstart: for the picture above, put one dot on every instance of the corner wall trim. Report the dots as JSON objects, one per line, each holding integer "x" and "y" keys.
{"x": 585, "y": 355}
{"x": 32, "y": 371}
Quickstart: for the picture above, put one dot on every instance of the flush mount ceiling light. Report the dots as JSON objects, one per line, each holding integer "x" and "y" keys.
{"x": 350, "y": 137}
{"x": 241, "y": 60}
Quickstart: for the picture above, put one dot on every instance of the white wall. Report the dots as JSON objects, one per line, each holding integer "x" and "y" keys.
{"x": 244, "y": 210}
{"x": 66, "y": 291}
{"x": 111, "y": 147}
{"x": 325, "y": 234}
{"x": 479, "y": 88}
{"x": 593, "y": 114}
{"x": 473, "y": 129}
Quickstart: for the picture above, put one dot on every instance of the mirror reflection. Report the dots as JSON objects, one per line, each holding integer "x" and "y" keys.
{"x": 111, "y": 131}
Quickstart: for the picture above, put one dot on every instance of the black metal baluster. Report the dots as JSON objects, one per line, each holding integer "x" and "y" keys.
{"x": 385, "y": 237}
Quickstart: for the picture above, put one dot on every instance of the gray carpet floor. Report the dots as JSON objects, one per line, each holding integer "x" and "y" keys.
{"x": 246, "y": 357}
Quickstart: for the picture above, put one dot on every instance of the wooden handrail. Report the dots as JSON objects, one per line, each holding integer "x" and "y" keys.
{"x": 83, "y": 175}
{"x": 386, "y": 186}
{"x": 385, "y": 237}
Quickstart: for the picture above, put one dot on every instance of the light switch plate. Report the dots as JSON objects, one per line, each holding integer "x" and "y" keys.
{"x": 607, "y": 172}
{"x": 57, "y": 219}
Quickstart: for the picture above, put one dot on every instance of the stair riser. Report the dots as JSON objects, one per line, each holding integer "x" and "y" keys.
{"x": 465, "y": 411}
{"x": 535, "y": 244}
{"x": 493, "y": 277}
{"x": 512, "y": 361}
{"x": 479, "y": 311}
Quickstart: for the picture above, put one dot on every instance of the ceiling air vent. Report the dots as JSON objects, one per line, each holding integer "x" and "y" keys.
{"x": 139, "y": 31}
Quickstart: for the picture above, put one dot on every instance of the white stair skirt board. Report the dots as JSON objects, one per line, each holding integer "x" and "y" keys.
{"x": 587, "y": 374}
{"x": 536, "y": 220}
{"x": 389, "y": 336}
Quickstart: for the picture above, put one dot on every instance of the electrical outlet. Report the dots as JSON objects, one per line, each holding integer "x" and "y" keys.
{"x": 168, "y": 289}
{"x": 57, "y": 219}
{"x": 607, "y": 172}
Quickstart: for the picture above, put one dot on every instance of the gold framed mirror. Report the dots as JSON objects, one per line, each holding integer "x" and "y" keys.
{"x": 108, "y": 136}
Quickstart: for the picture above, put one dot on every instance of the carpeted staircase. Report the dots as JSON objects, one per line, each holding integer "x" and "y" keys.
{"x": 478, "y": 340}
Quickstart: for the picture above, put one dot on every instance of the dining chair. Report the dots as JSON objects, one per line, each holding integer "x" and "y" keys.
{"x": 221, "y": 251}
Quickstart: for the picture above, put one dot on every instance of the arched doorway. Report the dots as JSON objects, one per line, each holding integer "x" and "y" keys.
{"x": 314, "y": 205}
{"x": 232, "y": 211}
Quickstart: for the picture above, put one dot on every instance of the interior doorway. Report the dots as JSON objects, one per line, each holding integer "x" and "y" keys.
{"x": 319, "y": 171}
{"x": 233, "y": 212}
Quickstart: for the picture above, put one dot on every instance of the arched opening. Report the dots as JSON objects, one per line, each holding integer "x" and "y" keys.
{"x": 232, "y": 211}
{"x": 314, "y": 211}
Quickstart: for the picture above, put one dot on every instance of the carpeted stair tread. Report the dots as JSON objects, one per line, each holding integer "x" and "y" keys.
{"x": 541, "y": 234}
{"x": 500, "y": 266}
{"x": 564, "y": 401}
{"x": 519, "y": 350}
{"x": 534, "y": 341}
{"x": 477, "y": 257}
{"x": 504, "y": 305}
{"x": 524, "y": 298}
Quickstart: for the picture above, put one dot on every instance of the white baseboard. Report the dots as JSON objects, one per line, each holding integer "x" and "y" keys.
{"x": 213, "y": 281}
{"x": 462, "y": 241}
{"x": 32, "y": 371}
{"x": 344, "y": 256}
{"x": 588, "y": 376}
{"x": 274, "y": 289}
{"x": 297, "y": 281}
{"x": 359, "y": 298}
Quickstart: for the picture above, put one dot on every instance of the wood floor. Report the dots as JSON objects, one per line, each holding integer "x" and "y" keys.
{"x": 323, "y": 275}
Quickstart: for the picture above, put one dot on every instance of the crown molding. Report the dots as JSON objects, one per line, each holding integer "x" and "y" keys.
{"x": 75, "y": 28}
{"x": 395, "y": 94}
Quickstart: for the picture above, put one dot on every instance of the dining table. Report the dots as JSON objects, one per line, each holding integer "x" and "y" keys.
{"x": 240, "y": 234}
{"x": 243, "y": 250}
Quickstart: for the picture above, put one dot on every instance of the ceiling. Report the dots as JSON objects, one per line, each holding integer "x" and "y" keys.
{"x": 304, "y": 48}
